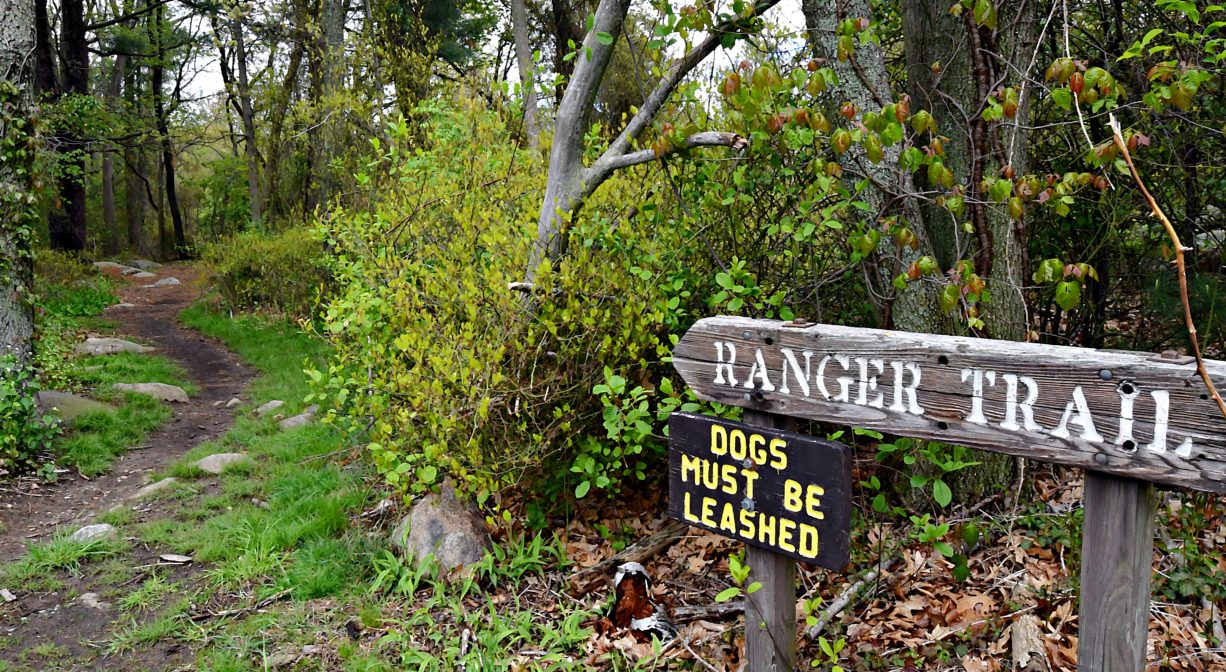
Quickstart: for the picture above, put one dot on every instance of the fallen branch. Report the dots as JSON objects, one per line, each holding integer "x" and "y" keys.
{"x": 243, "y": 611}
{"x": 708, "y": 612}
{"x": 584, "y": 580}
{"x": 1215, "y": 620}
{"x": 840, "y": 603}
{"x": 1179, "y": 263}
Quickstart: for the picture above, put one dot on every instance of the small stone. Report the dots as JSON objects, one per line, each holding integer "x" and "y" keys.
{"x": 217, "y": 463}
{"x": 142, "y": 275}
{"x": 175, "y": 558}
{"x": 67, "y": 406}
{"x": 103, "y": 265}
{"x": 7, "y": 595}
{"x": 119, "y": 306}
{"x": 311, "y": 650}
{"x": 130, "y": 270}
{"x": 234, "y": 401}
{"x": 93, "y": 532}
{"x": 442, "y": 525}
{"x": 164, "y": 282}
{"x": 155, "y": 487}
{"x": 110, "y": 346}
{"x": 217, "y": 404}
{"x": 280, "y": 660}
{"x": 265, "y": 409}
{"x": 144, "y": 264}
{"x": 298, "y": 420}
{"x": 159, "y": 391}
{"x": 91, "y": 600}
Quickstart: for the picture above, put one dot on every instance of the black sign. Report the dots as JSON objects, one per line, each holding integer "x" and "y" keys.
{"x": 787, "y": 492}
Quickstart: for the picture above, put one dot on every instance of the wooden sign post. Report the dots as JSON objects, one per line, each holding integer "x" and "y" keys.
{"x": 1129, "y": 419}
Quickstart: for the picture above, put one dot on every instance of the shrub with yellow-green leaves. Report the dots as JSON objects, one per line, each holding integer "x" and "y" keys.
{"x": 285, "y": 272}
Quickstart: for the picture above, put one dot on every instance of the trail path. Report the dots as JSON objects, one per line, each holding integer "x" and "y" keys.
{"x": 30, "y": 510}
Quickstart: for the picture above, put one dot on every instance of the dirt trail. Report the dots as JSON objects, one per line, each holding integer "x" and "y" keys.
{"x": 30, "y": 510}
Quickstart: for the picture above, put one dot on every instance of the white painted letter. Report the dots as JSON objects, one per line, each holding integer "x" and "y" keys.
{"x": 1126, "y": 403}
{"x": 843, "y": 381}
{"x": 820, "y": 378}
{"x": 868, "y": 382}
{"x": 1027, "y": 407}
{"x": 1088, "y": 433}
{"x": 722, "y": 365}
{"x": 977, "y": 376}
{"x": 1162, "y": 422}
{"x": 789, "y": 358}
{"x": 758, "y": 370}
{"x": 912, "y": 405}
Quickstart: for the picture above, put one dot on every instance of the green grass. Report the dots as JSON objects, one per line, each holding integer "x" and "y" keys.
{"x": 129, "y": 367}
{"x": 60, "y": 554}
{"x": 96, "y": 440}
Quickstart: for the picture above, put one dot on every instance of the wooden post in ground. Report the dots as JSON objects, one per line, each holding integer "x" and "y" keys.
{"x": 770, "y": 612}
{"x": 1117, "y": 545}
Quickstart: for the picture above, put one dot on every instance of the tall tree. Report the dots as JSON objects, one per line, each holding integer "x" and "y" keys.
{"x": 527, "y": 83}
{"x": 256, "y": 197}
{"x": 17, "y": 39}
{"x": 109, "y": 218}
{"x": 161, "y": 53}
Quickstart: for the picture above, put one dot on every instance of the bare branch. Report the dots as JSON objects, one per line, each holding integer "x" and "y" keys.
{"x": 704, "y": 139}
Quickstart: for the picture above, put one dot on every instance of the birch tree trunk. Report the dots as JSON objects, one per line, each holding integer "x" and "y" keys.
{"x": 16, "y": 263}
{"x": 527, "y": 82}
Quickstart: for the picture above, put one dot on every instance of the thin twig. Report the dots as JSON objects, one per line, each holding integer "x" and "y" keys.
{"x": 1181, "y": 269}
{"x": 840, "y": 603}
{"x": 243, "y": 611}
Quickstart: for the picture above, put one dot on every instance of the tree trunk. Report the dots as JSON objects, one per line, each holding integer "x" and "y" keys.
{"x": 68, "y": 228}
{"x": 163, "y": 129}
{"x": 45, "y": 81}
{"x": 244, "y": 104}
{"x": 279, "y": 108}
{"x": 331, "y": 73}
{"x": 108, "y": 162}
{"x": 17, "y": 220}
{"x": 527, "y": 82}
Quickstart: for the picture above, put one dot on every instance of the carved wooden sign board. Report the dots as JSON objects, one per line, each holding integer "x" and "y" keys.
{"x": 784, "y": 491}
{"x": 1129, "y": 419}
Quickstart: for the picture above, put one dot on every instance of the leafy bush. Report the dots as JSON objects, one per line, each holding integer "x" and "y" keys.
{"x": 24, "y": 432}
{"x": 284, "y": 272}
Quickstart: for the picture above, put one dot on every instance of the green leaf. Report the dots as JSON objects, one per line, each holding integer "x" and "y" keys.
{"x": 753, "y": 588}
{"x": 942, "y": 493}
{"x": 949, "y": 297}
{"x": 582, "y": 488}
{"x": 604, "y": 38}
{"x": 727, "y": 594}
{"x": 1068, "y": 294}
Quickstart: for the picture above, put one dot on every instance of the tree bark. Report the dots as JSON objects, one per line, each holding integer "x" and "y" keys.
{"x": 244, "y": 104}
{"x": 114, "y": 241}
{"x": 45, "y": 81}
{"x": 67, "y": 229}
{"x": 332, "y": 73}
{"x": 279, "y": 108}
{"x": 527, "y": 81}
{"x": 157, "y": 27}
{"x": 17, "y": 41}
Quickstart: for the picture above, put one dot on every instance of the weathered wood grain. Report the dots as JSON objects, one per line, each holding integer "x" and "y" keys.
{"x": 770, "y": 613}
{"x": 1117, "y": 561}
{"x": 945, "y": 394}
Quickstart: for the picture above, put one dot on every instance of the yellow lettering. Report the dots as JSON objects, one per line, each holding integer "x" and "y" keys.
{"x": 736, "y": 444}
{"x": 747, "y": 526}
{"x": 727, "y": 519}
{"x": 708, "y": 510}
{"x": 766, "y": 528}
{"x": 755, "y": 449}
{"x": 813, "y": 505}
{"x": 690, "y": 466}
{"x": 728, "y": 474}
{"x": 719, "y": 440}
{"x": 808, "y": 540}
{"x": 690, "y": 517}
{"x": 791, "y": 496}
{"x": 710, "y": 474}
{"x": 750, "y": 476}
{"x": 781, "y": 458}
{"x": 786, "y": 525}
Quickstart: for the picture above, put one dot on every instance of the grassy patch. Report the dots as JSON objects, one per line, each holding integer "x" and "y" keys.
{"x": 60, "y": 554}
{"x": 96, "y": 440}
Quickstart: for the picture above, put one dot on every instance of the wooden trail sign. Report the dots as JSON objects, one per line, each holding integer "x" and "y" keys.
{"x": 1129, "y": 419}
{"x": 783, "y": 491}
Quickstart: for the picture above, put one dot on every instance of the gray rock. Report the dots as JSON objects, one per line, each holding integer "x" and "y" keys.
{"x": 110, "y": 346}
{"x": 164, "y": 282}
{"x": 217, "y": 463}
{"x": 269, "y": 407}
{"x": 144, "y": 264}
{"x": 91, "y": 600}
{"x": 7, "y": 595}
{"x": 155, "y": 487}
{"x": 234, "y": 401}
{"x": 300, "y": 419}
{"x": 443, "y": 525}
{"x": 118, "y": 306}
{"x": 67, "y": 406}
{"x": 94, "y": 532}
{"x": 129, "y": 270}
{"x": 102, "y": 265}
{"x": 159, "y": 391}
{"x": 141, "y": 275}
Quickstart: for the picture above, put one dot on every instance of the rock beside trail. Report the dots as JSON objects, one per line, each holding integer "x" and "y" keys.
{"x": 67, "y": 406}
{"x": 234, "y": 401}
{"x": 110, "y": 346}
{"x": 115, "y": 306}
{"x": 164, "y": 282}
{"x": 92, "y": 601}
{"x": 445, "y": 526}
{"x": 217, "y": 463}
{"x": 159, "y": 391}
{"x": 269, "y": 407}
{"x": 144, "y": 264}
{"x": 300, "y": 419}
{"x": 129, "y": 270}
{"x": 155, "y": 487}
{"x": 93, "y": 532}
{"x": 141, "y": 275}
{"x": 103, "y": 265}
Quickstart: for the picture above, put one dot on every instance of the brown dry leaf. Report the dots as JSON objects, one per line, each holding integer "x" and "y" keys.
{"x": 976, "y": 664}
{"x": 583, "y": 553}
{"x": 632, "y": 649}
{"x": 970, "y": 608}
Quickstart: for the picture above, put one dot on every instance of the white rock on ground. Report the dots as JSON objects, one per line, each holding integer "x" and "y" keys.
{"x": 129, "y": 270}
{"x": 110, "y": 346}
{"x": 155, "y": 487}
{"x": 144, "y": 264}
{"x": 445, "y": 526}
{"x": 141, "y": 275}
{"x": 267, "y": 408}
{"x": 107, "y": 264}
{"x": 116, "y": 306}
{"x": 93, "y": 532}
{"x": 164, "y": 282}
{"x": 67, "y": 406}
{"x": 234, "y": 401}
{"x": 91, "y": 600}
{"x": 217, "y": 463}
{"x": 300, "y": 419}
{"x": 159, "y": 391}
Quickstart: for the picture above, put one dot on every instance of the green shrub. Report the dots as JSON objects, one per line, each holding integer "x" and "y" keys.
{"x": 283, "y": 272}
{"x": 24, "y": 432}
